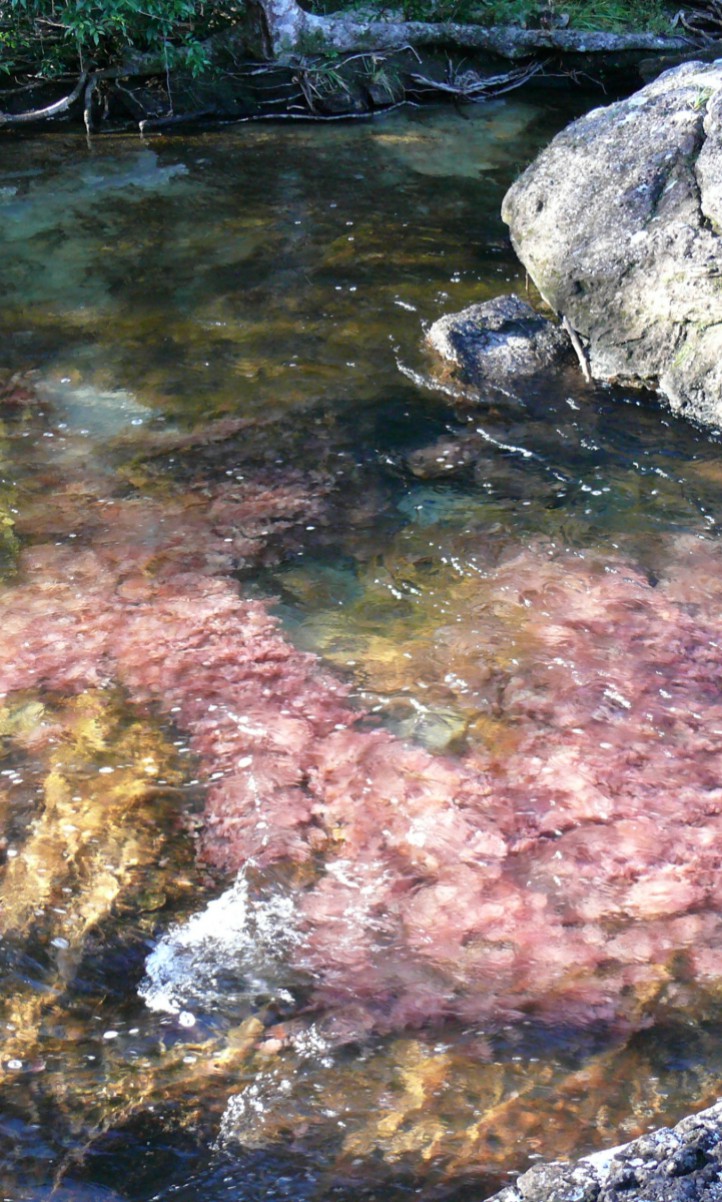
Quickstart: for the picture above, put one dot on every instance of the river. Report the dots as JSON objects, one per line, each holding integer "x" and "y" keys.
{"x": 434, "y": 674}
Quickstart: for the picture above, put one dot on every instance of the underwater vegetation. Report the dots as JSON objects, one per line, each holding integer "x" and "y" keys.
{"x": 569, "y": 866}
{"x": 559, "y": 869}
{"x": 565, "y": 863}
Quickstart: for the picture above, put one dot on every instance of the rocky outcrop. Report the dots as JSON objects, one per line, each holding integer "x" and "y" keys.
{"x": 499, "y": 343}
{"x": 618, "y": 223}
{"x": 683, "y": 1164}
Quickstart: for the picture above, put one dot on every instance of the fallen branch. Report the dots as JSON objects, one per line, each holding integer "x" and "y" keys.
{"x": 51, "y": 110}
{"x": 471, "y": 86}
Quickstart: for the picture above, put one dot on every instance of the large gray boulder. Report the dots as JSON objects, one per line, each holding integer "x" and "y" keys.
{"x": 619, "y": 224}
{"x": 682, "y": 1164}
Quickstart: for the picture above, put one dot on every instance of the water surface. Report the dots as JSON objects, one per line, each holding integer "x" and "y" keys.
{"x": 185, "y": 315}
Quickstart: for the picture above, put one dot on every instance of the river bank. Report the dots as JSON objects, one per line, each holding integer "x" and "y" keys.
{"x": 279, "y": 61}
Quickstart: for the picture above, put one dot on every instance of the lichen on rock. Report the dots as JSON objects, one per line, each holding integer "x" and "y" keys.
{"x": 683, "y": 1164}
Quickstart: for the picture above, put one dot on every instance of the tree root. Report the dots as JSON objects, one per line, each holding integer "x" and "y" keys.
{"x": 289, "y": 28}
{"x": 469, "y": 85}
{"x": 51, "y": 110}
{"x": 152, "y": 123}
{"x": 90, "y": 89}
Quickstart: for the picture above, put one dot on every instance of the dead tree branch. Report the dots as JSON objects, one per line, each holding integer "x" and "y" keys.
{"x": 51, "y": 110}
{"x": 471, "y": 86}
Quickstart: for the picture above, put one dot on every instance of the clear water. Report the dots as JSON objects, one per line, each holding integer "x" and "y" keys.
{"x": 153, "y": 294}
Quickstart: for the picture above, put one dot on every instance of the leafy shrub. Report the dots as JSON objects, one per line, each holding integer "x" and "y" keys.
{"x": 51, "y": 36}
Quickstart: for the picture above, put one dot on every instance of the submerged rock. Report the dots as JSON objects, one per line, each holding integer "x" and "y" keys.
{"x": 499, "y": 342}
{"x": 618, "y": 222}
{"x": 683, "y": 1164}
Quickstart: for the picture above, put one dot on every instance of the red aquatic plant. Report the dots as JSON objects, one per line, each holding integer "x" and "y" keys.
{"x": 573, "y": 875}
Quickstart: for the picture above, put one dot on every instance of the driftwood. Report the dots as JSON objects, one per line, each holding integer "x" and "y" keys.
{"x": 469, "y": 85}
{"x": 286, "y": 29}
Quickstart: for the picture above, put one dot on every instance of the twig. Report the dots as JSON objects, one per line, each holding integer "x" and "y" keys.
{"x": 578, "y": 348}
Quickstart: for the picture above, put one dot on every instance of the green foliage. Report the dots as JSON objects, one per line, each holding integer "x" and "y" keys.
{"x": 611, "y": 15}
{"x": 618, "y": 15}
{"x": 52, "y": 36}
{"x": 46, "y": 38}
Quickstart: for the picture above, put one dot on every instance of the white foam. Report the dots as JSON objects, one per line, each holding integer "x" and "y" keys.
{"x": 234, "y": 947}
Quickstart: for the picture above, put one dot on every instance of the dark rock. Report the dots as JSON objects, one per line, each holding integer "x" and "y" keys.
{"x": 500, "y": 342}
{"x": 553, "y": 1182}
{"x": 449, "y": 456}
{"x": 618, "y": 223}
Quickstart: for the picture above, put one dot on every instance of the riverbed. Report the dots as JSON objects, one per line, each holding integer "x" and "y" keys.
{"x": 252, "y": 536}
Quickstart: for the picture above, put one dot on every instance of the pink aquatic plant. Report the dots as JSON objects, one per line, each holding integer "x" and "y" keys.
{"x": 141, "y": 604}
{"x": 574, "y": 875}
